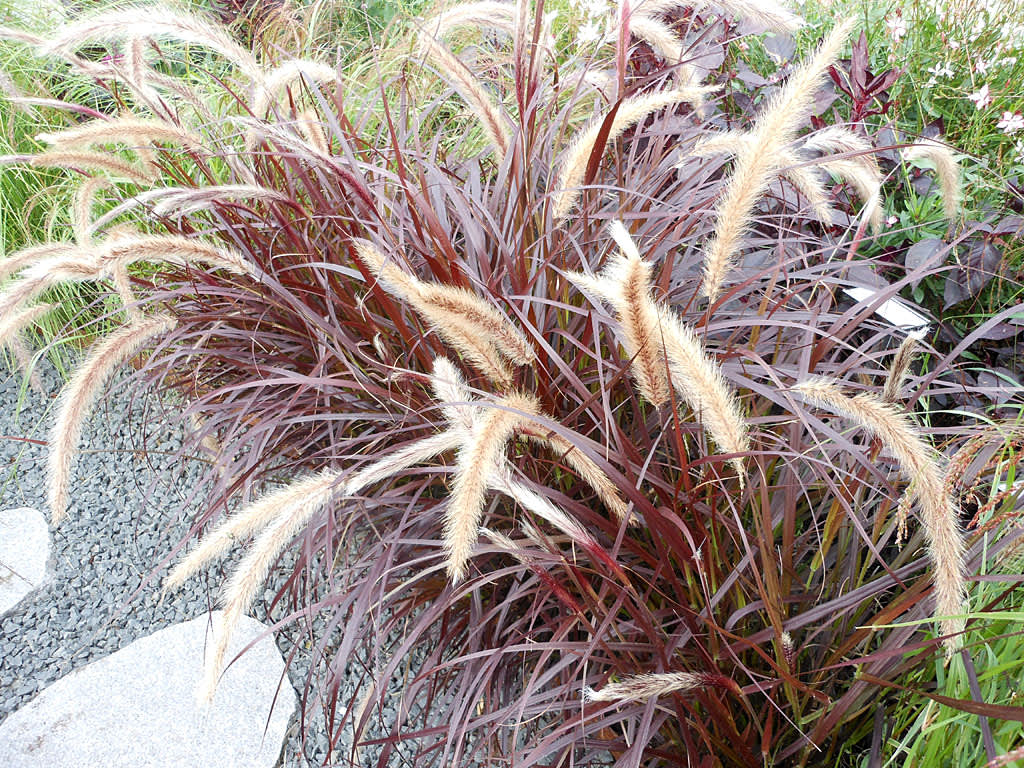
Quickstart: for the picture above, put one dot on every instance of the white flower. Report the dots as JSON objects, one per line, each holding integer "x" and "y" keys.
{"x": 982, "y": 66}
{"x": 897, "y": 27}
{"x": 589, "y": 33}
{"x": 981, "y": 98}
{"x": 1011, "y": 122}
{"x": 892, "y": 220}
{"x": 1019, "y": 149}
{"x": 939, "y": 70}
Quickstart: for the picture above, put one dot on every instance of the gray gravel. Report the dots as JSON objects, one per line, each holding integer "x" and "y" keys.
{"x": 131, "y": 503}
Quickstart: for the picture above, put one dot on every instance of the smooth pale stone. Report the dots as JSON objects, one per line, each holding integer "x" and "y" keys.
{"x": 24, "y": 555}
{"x": 138, "y": 707}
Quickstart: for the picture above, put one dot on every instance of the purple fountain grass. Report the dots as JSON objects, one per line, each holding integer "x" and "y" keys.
{"x": 920, "y": 465}
{"x": 78, "y": 396}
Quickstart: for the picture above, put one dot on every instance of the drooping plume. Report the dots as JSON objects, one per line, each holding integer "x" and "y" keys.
{"x": 481, "y": 334}
{"x": 665, "y": 351}
{"x": 922, "y": 470}
{"x": 78, "y": 396}
{"x": 947, "y": 171}
{"x": 758, "y": 160}
{"x": 630, "y": 111}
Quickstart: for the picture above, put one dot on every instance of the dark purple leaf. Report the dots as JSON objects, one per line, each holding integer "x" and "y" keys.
{"x": 922, "y": 254}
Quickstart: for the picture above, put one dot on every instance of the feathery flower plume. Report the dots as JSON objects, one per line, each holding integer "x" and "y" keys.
{"x": 947, "y": 171}
{"x": 94, "y": 161}
{"x": 482, "y": 15}
{"x": 312, "y": 130}
{"x": 588, "y": 471}
{"x": 759, "y": 160}
{"x": 805, "y": 181}
{"x": 698, "y": 379}
{"x": 478, "y": 460}
{"x": 149, "y": 21}
{"x": 471, "y": 90}
{"x": 835, "y": 139}
{"x": 13, "y": 324}
{"x": 46, "y": 273}
{"x": 171, "y": 249}
{"x": 294, "y": 512}
{"x": 283, "y": 75}
{"x": 921, "y": 468}
{"x": 899, "y": 368}
{"x": 674, "y": 349}
{"x": 81, "y": 207}
{"x": 625, "y": 284}
{"x": 630, "y": 112}
{"x": 472, "y": 326}
{"x": 121, "y": 130}
{"x": 769, "y": 14}
{"x": 77, "y": 397}
{"x": 866, "y": 179}
{"x": 501, "y": 480}
{"x": 462, "y": 411}
{"x": 33, "y": 254}
{"x": 651, "y": 685}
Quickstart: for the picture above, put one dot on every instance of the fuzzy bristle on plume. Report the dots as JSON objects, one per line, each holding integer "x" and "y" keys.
{"x": 471, "y": 90}
{"x": 150, "y": 21}
{"x": 652, "y": 685}
{"x": 78, "y": 396}
{"x": 899, "y": 368}
{"x": 758, "y": 160}
{"x": 698, "y": 379}
{"x": 921, "y": 468}
{"x": 121, "y": 130}
{"x": 630, "y": 112}
{"x": 93, "y": 162}
{"x": 481, "y": 334}
{"x": 477, "y": 461}
{"x": 307, "y": 498}
{"x": 947, "y": 171}
{"x": 482, "y": 15}
{"x": 123, "y": 251}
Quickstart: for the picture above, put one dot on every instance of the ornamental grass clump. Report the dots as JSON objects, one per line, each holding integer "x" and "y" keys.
{"x": 449, "y": 335}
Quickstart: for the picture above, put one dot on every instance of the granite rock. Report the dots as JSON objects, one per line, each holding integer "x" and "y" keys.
{"x": 138, "y": 707}
{"x": 25, "y": 562}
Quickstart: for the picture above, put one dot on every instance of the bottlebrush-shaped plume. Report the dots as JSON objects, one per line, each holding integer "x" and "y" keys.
{"x": 654, "y": 684}
{"x": 78, "y": 396}
{"x": 759, "y": 160}
{"x": 94, "y": 162}
{"x": 471, "y": 90}
{"x": 664, "y": 350}
{"x": 899, "y": 368}
{"x": 479, "y": 457}
{"x": 81, "y": 208}
{"x": 625, "y": 284}
{"x": 472, "y": 326}
{"x": 947, "y": 171}
{"x": 483, "y": 15}
{"x": 922, "y": 470}
{"x": 790, "y": 166}
{"x": 629, "y": 112}
{"x": 285, "y": 74}
{"x": 121, "y": 130}
{"x": 146, "y": 22}
{"x": 698, "y": 378}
